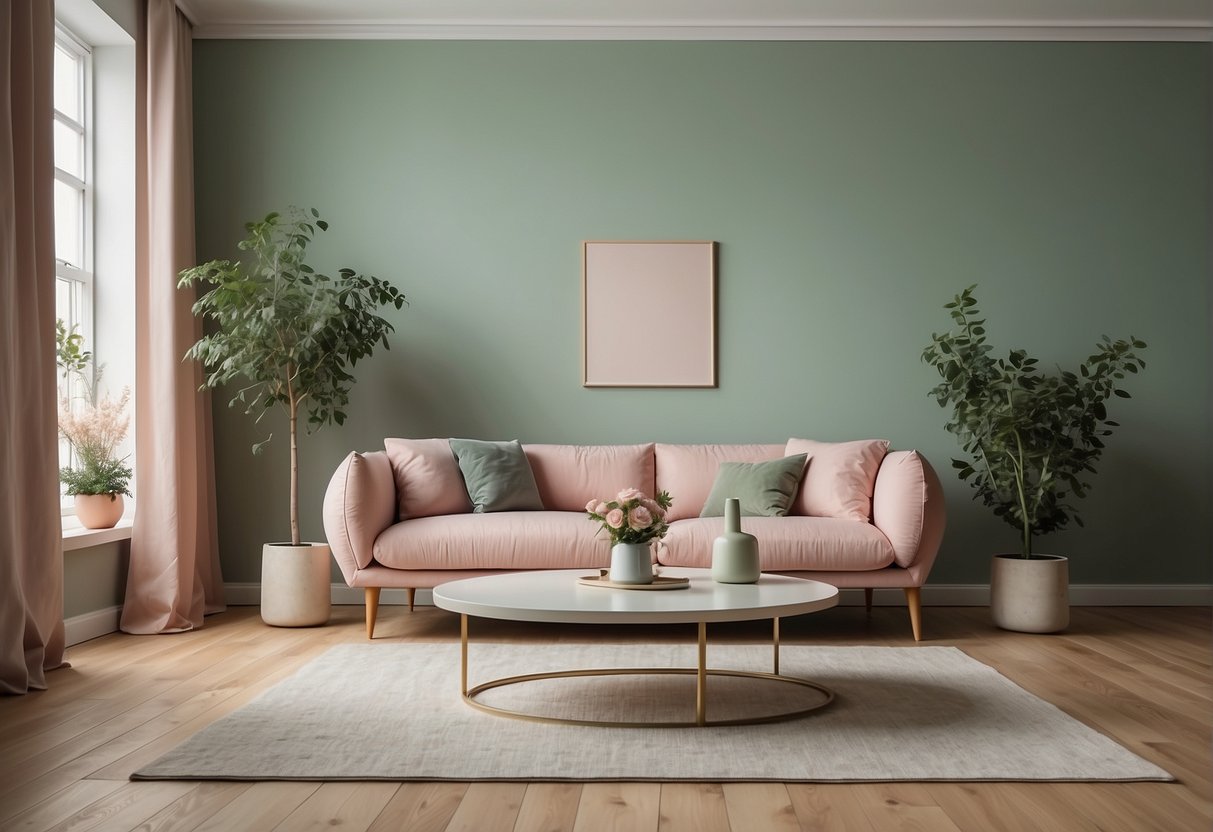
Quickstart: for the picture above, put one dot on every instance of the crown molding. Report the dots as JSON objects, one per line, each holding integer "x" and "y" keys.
{"x": 186, "y": 7}
{"x": 898, "y": 30}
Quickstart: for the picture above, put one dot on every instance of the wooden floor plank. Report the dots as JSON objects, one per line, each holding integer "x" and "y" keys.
{"x": 488, "y": 807}
{"x": 619, "y": 807}
{"x": 693, "y": 807}
{"x": 124, "y": 809}
{"x": 194, "y": 808}
{"x": 260, "y": 807}
{"x": 61, "y": 805}
{"x": 760, "y": 807}
{"x": 828, "y": 807}
{"x": 420, "y": 807}
{"x": 351, "y": 806}
{"x": 549, "y": 807}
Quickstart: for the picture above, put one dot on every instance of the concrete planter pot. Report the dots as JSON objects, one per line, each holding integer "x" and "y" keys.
{"x": 1030, "y": 595}
{"x": 295, "y": 584}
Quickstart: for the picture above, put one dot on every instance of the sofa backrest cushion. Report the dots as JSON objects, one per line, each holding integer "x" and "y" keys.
{"x": 688, "y": 471}
{"x": 497, "y": 475}
{"x": 762, "y": 489}
{"x": 569, "y": 476}
{"x": 428, "y": 482}
{"x": 839, "y": 479}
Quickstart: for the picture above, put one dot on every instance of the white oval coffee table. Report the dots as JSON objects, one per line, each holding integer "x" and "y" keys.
{"x": 556, "y": 596}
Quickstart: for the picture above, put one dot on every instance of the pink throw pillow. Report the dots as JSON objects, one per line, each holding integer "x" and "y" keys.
{"x": 428, "y": 482}
{"x": 839, "y": 479}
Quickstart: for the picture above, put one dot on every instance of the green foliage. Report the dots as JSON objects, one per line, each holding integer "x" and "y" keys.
{"x": 292, "y": 333}
{"x": 97, "y": 476}
{"x": 70, "y": 355}
{"x": 1032, "y": 438}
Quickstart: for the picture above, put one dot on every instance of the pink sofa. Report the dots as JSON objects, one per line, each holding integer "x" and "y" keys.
{"x": 862, "y": 517}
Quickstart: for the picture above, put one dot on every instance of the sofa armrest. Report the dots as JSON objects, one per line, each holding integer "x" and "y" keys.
{"x": 359, "y": 504}
{"x": 908, "y": 506}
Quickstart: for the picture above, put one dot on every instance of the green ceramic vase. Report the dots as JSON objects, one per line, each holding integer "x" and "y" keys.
{"x": 735, "y": 553}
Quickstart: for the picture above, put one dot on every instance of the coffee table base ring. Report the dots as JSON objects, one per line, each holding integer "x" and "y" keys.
{"x": 470, "y": 696}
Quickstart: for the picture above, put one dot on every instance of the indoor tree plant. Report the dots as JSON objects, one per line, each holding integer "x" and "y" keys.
{"x": 291, "y": 335}
{"x": 1032, "y": 439}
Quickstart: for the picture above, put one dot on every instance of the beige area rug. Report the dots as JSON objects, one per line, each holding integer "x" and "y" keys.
{"x": 393, "y": 712}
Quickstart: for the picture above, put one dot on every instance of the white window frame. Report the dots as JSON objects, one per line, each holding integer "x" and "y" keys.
{"x": 80, "y": 275}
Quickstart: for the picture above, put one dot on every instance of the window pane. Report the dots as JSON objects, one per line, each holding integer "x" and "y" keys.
{"x": 67, "y": 83}
{"x": 68, "y": 243}
{"x": 69, "y": 147}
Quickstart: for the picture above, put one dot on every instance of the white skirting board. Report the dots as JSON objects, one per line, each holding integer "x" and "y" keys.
{"x": 101, "y": 622}
{"x": 937, "y": 595}
{"x": 80, "y": 628}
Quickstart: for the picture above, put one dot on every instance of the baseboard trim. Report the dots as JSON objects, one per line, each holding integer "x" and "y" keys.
{"x": 91, "y": 625}
{"x": 938, "y": 595}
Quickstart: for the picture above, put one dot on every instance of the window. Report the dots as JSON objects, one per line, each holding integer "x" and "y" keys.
{"x": 73, "y": 198}
{"x": 73, "y": 182}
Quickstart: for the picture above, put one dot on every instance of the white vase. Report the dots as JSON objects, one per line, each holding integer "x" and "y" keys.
{"x": 295, "y": 584}
{"x": 631, "y": 563}
{"x": 1030, "y": 595}
{"x": 735, "y": 553}
{"x": 98, "y": 511}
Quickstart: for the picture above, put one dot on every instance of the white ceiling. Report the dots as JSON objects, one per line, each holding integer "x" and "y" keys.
{"x": 707, "y": 19}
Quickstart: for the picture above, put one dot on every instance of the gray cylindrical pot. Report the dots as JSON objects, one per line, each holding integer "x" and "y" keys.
{"x": 295, "y": 584}
{"x": 1030, "y": 595}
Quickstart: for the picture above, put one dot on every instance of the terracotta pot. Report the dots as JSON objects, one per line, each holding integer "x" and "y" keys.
{"x": 99, "y": 511}
{"x": 295, "y": 584}
{"x": 1030, "y": 595}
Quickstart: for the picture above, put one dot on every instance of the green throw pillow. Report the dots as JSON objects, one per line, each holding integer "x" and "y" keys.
{"x": 765, "y": 489}
{"x": 496, "y": 475}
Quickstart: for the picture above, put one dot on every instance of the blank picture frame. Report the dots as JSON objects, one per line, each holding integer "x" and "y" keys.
{"x": 648, "y": 313}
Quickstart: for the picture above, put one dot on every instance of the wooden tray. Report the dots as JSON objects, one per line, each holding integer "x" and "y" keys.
{"x": 602, "y": 579}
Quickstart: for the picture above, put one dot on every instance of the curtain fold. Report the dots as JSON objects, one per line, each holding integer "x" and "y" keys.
{"x": 174, "y": 576}
{"x": 31, "y": 538}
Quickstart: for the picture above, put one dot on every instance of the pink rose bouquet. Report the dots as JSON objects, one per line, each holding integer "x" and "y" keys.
{"x": 632, "y": 516}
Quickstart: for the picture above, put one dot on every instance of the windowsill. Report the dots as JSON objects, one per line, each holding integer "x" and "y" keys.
{"x": 76, "y": 536}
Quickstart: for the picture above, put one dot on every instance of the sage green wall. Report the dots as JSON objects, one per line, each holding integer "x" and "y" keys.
{"x": 94, "y": 578}
{"x": 853, "y": 187}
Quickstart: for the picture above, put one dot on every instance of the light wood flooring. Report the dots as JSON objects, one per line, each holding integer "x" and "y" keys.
{"x": 1139, "y": 675}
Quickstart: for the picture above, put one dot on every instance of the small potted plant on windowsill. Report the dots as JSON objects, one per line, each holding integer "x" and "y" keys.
{"x": 95, "y": 428}
{"x": 1031, "y": 439}
{"x": 293, "y": 334}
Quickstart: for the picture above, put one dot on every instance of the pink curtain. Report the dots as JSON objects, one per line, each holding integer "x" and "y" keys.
{"x": 31, "y": 540}
{"x": 174, "y": 569}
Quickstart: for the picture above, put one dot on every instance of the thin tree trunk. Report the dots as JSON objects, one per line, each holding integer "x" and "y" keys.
{"x": 295, "y": 539}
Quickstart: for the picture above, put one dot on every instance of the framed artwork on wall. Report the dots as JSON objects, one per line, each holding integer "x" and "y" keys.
{"x": 648, "y": 313}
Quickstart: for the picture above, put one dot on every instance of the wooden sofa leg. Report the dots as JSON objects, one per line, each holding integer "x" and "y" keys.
{"x": 914, "y": 602}
{"x": 867, "y": 599}
{"x": 372, "y": 609}
{"x": 412, "y": 591}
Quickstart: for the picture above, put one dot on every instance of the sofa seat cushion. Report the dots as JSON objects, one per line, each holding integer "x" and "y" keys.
{"x": 505, "y": 540}
{"x": 784, "y": 543}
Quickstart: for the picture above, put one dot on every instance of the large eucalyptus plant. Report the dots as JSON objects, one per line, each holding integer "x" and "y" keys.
{"x": 1032, "y": 437}
{"x": 290, "y": 331}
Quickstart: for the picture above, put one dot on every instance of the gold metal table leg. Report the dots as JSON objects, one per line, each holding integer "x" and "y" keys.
{"x": 700, "y": 671}
{"x": 701, "y": 677}
{"x": 463, "y": 654}
{"x": 775, "y": 643}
